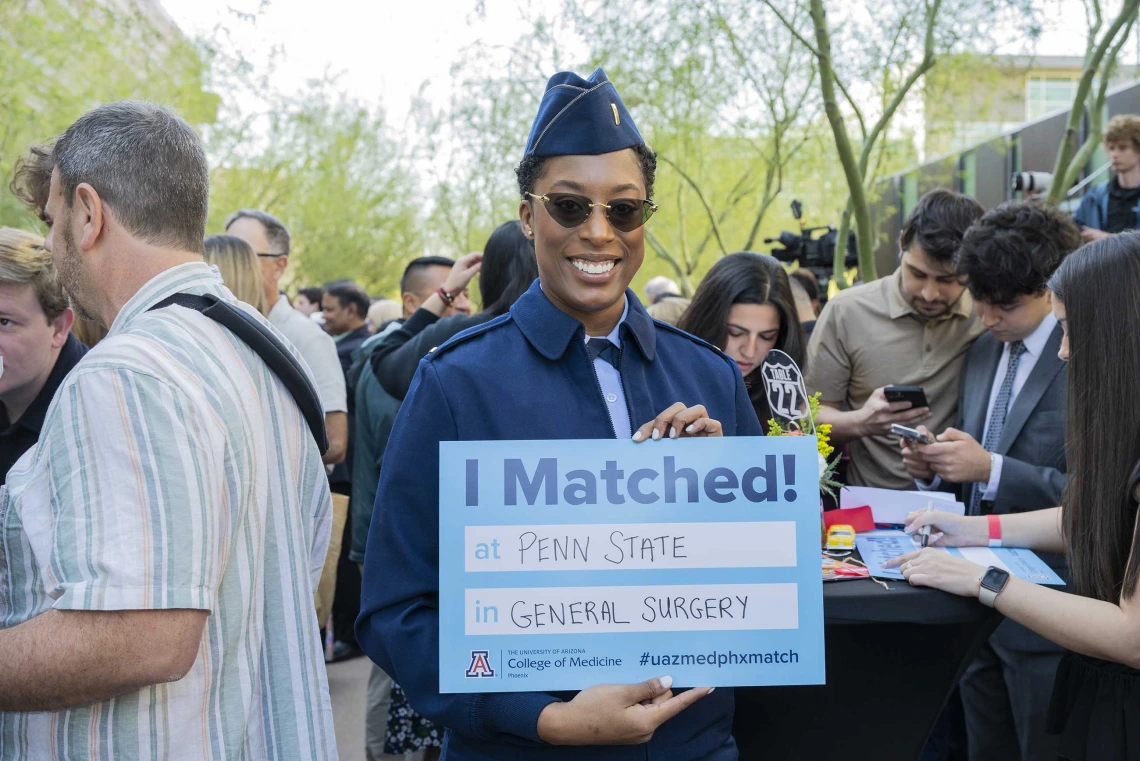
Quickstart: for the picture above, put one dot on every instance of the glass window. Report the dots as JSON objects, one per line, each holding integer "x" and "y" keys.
{"x": 909, "y": 193}
{"x": 1047, "y": 94}
{"x": 968, "y": 174}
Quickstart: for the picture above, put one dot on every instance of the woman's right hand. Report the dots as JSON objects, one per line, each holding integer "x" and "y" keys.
{"x": 950, "y": 529}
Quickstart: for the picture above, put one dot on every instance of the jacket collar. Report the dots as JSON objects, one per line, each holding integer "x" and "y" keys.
{"x": 550, "y": 330}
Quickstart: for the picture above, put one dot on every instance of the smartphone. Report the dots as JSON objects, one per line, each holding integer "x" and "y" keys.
{"x": 911, "y": 434}
{"x": 913, "y": 394}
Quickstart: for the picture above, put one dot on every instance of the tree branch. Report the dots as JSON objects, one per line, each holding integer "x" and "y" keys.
{"x": 788, "y": 25}
{"x": 925, "y": 65}
{"x": 1096, "y": 112}
{"x": 701, "y": 197}
{"x": 1065, "y": 154}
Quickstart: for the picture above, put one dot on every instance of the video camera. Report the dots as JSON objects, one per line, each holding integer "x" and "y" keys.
{"x": 816, "y": 253}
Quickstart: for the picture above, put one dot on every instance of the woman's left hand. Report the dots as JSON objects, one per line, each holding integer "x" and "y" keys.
{"x": 679, "y": 421}
{"x": 940, "y": 570}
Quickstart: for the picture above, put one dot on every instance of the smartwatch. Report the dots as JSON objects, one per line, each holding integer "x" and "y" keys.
{"x": 993, "y": 582}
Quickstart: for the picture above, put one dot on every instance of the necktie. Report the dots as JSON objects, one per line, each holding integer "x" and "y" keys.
{"x": 997, "y": 416}
{"x": 601, "y": 347}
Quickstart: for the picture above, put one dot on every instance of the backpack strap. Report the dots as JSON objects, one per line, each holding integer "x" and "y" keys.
{"x": 266, "y": 345}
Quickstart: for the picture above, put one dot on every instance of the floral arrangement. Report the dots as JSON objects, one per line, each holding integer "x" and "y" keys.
{"x": 806, "y": 426}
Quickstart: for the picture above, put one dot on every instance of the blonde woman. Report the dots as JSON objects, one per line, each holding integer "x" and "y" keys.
{"x": 237, "y": 262}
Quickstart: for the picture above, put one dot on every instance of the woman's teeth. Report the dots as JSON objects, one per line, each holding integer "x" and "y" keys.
{"x": 593, "y": 268}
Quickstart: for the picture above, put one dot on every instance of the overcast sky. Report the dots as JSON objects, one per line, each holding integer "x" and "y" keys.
{"x": 381, "y": 49}
{"x": 385, "y": 49}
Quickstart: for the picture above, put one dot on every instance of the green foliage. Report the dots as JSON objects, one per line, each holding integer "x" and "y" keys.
{"x": 331, "y": 172}
{"x": 59, "y": 58}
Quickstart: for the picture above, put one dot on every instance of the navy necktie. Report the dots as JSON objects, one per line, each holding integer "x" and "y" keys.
{"x": 601, "y": 347}
{"x": 997, "y": 416}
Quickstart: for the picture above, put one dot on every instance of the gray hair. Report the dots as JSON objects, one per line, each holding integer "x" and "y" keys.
{"x": 275, "y": 229}
{"x": 660, "y": 286}
{"x": 146, "y": 163}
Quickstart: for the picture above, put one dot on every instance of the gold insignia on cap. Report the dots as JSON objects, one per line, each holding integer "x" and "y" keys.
{"x": 617, "y": 119}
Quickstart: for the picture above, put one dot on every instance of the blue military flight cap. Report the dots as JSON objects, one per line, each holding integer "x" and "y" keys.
{"x": 580, "y": 117}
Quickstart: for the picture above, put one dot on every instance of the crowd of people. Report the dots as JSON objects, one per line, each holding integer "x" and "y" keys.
{"x": 209, "y": 489}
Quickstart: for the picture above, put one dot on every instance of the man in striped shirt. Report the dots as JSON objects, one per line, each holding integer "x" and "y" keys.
{"x": 160, "y": 545}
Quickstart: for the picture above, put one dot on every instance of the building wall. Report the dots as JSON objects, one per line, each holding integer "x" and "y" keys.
{"x": 984, "y": 170}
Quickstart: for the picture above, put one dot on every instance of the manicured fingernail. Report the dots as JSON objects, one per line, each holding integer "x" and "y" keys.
{"x": 666, "y": 682}
{"x": 656, "y": 434}
{"x": 637, "y": 436}
{"x": 690, "y": 427}
{"x": 672, "y": 433}
{"x": 711, "y": 690}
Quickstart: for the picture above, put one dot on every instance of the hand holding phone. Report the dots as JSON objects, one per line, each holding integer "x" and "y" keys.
{"x": 879, "y": 413}
{"x": 911, "y": 434}
{"x": 913, "y": 394}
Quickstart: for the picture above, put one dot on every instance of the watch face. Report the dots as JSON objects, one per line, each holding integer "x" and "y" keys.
{"x": 995, "y": 579}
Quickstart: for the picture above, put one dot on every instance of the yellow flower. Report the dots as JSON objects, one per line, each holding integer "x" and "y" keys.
{"x": 823, "y": 434}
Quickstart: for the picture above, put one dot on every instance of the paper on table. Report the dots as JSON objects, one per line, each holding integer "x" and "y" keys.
{"x": 877, "y": 547}
{"x": 890, "y": 506}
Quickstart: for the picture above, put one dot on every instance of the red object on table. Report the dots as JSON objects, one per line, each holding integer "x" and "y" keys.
{"x": 859, "y": 518}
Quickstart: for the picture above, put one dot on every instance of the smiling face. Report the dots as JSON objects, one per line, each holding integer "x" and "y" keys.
{"x": 585, "y": 270}
{"x": 750, "y": 333}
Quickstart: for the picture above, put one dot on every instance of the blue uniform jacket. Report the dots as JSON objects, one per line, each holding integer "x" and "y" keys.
{"x": 524, "y": 375}
{"x": 1093, "y": 211}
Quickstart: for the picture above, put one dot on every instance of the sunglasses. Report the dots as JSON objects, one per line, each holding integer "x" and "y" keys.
{"x": 570, "y": 210}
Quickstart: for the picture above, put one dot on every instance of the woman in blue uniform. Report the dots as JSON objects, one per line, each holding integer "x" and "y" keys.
{"x": 577, "y": 357}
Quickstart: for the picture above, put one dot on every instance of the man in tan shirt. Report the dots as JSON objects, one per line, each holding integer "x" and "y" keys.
{"x": 911, "y": 328}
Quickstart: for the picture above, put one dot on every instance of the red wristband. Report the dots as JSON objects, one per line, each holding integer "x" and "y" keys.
{"x": 995, "y": 530}
{"x": 447, "y": 297}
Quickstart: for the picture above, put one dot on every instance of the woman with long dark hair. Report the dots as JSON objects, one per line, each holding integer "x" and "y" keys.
{"x": 1096, "y": 698}
{"x": 744, "y": 307}
{"x": 506, "y": 268}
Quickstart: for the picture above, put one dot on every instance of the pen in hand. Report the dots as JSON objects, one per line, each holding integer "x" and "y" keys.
{"x": 925, "y": 531}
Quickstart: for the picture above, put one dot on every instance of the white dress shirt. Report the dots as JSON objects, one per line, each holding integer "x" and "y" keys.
{"x": 610, "y": 380}
{"x": 1034, "y": 348}
{"x": 318, "y": 350}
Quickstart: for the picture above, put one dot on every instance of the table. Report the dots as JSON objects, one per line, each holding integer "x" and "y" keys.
{"x": 894, "y": 656}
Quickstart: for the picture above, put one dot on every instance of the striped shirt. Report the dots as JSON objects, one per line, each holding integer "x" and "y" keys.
{"x": 175, "y": 471}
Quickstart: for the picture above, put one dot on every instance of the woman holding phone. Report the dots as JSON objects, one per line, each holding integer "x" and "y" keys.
{"x": 1096, "y": 697}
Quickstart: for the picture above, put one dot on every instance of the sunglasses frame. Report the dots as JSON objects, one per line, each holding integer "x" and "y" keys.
{"x": 646, "y": 204}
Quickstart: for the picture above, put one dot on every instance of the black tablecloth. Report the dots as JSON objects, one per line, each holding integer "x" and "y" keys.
{"x": 893, "y": 658}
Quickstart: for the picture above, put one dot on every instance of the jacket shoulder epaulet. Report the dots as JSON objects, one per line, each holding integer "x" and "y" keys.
{"x": 698, "y": 341}
{"x": 466, "y": 335}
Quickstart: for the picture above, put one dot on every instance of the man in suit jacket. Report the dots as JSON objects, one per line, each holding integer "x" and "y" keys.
{"x": 1007, "y": 452}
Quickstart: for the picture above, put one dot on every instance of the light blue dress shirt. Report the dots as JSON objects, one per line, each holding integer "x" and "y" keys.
{"x": 1034, "y": 348}
{"x": 610, "y": 380}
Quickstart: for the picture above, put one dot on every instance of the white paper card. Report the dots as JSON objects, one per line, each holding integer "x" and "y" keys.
{"x": 891, "y": 507}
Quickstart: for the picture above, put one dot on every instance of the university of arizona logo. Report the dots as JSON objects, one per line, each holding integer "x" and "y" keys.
{"x": 480, "y": 665}
{"x": 785, "y": 386}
